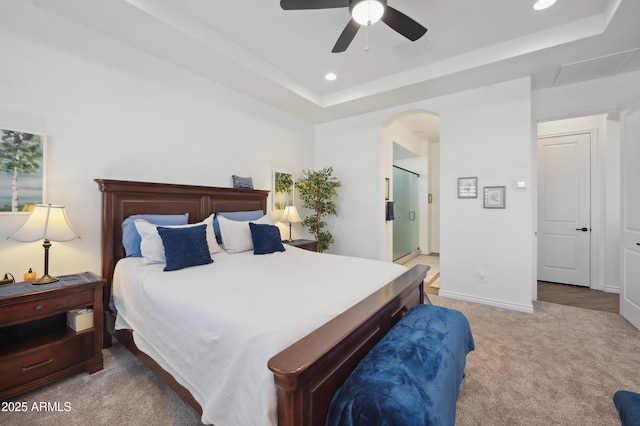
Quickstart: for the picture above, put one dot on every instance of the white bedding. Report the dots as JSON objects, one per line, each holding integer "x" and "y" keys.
{"x": 214, "y": 327}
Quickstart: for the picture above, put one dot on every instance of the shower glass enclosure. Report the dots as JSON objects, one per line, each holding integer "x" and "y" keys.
{"x": 405, "y": 224}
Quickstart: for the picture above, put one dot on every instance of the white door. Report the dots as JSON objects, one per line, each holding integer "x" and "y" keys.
{"x": 564, "y": 213}
{"x": 630, "y": 291}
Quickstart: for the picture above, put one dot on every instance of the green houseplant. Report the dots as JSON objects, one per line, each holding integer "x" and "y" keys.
{"x": 317, "y": 189}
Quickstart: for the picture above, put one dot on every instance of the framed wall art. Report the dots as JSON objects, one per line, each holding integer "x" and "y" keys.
{"x": 283, "y": 190}
{"x": 468, "y": 187}
{"x": 494, "y": 197}
{"x": 22, "y": 170}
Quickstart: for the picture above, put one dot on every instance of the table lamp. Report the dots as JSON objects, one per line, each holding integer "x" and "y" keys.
{"x": 290, "y": 215}
{"x": 49, "y": 223}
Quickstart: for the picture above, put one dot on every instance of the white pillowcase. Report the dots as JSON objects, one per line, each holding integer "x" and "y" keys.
{"x": 151, "y": 245}
{"x": 236, "y": 234}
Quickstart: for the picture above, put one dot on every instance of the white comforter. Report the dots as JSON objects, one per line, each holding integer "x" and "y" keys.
{"x": 214, "y": 327}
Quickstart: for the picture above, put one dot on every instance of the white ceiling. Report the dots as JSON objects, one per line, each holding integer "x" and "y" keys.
{"x": 280, "y": 57}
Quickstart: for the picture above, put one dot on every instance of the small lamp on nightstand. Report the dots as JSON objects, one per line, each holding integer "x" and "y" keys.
{"x": 48, "y": 223}
{"x": 290, "y": 215}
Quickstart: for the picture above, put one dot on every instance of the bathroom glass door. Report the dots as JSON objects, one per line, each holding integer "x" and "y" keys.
{"x": 405, "y": 224}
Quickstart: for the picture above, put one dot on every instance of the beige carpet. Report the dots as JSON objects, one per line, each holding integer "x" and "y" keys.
{"x": 559, "y": 366}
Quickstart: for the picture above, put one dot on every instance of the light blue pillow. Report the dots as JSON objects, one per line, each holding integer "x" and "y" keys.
{"x": 266, "y": 238}
{"x": 130, "y": 236}
{"x": 184, "y": 247}
{"x": 242, "y": 216}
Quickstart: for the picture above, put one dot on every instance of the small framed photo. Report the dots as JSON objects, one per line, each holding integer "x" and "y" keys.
{"x": 468, "y": 187}
{"x": 494, "y": 197}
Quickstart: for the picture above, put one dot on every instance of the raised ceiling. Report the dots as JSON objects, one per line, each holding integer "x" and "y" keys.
{"x": 280, "y": 57}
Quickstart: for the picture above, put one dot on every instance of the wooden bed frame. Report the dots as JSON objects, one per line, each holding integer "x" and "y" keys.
{"x": 307, "y": 373}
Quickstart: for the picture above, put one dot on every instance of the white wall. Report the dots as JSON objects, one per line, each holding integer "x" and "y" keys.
{"x": 605, "y": 193}
{"x": 591, "y": 97}
{"x": 485, "y": 132}
{"x": 434, "y": 190}
{"x": 113, "y": 112}
{"x": 488, "y": 135}
{"x": 354, "y": 153}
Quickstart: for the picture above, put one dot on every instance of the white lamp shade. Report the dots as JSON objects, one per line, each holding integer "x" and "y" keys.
{"x": 47, "y": 222}
{"x": 290, "y": 215}
{"x": 367, "y": 12}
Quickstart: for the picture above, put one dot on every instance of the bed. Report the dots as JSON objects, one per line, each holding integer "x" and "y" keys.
{"x": 306, "y": 373}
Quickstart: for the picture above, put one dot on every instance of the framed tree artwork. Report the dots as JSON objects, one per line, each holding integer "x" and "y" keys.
{"x": 22, "y": 170}
{"x": 283, "y": 186}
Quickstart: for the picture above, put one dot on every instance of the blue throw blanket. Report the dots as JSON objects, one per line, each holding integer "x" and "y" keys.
{"x": 412, "y": 376}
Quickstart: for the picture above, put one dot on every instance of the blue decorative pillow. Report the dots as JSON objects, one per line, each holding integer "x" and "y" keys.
{"x": 628, "y": 405}
{"x": 266, "y": 238}
{"x": 242, "y": 182}
{"x": 131, "y": 237}
{"x": 243, "y": 216}
{"x": 184, "y": 247}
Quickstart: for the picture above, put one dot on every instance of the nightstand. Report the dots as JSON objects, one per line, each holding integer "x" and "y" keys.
{"x": 36, "y": 345}
{"x": 311, "y": 245}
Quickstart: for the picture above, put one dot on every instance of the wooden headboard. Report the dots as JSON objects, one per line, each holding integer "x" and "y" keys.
{"x": 121, "y": 199}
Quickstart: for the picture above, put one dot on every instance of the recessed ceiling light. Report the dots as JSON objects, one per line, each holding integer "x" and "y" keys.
{"x": 543, "y": 4}
{"x": 330, "y": 76}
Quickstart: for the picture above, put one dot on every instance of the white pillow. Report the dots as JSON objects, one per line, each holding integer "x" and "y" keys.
{"x": 211, "y": 236}
{"x": 151, "y": 245}
{"x": 236, "y": 234}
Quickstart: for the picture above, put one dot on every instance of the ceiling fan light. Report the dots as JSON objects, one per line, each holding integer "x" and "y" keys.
{"x": 543, "y": 4}
{"x": 367, "y": 12}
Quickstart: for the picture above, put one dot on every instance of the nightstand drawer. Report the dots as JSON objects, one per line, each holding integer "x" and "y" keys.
{"x": 39, "y": 308}
{"x": 23, "y": 367}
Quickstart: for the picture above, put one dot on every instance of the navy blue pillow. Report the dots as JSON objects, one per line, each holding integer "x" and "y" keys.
{"x": 266, "y": 238}
{"x": 184, "y": 247}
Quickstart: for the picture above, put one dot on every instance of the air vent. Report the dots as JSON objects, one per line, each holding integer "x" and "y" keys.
{"x": 592, "y": 68}
{"x": 414, "y": 49}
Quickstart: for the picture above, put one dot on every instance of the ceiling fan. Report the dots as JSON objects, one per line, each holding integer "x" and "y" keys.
{"x": 363, "y": 12}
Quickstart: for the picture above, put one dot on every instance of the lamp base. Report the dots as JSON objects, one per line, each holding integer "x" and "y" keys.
{"x": 45, "y": 279}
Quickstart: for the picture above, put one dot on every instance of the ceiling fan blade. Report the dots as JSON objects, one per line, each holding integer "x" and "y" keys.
{"x": 346, "y": 37}
{"x": 402, "y": 24}
{"x": 312, "y": 4}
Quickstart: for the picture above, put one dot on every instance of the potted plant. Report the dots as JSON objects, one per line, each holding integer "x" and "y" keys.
{"x": 317, "y": 189}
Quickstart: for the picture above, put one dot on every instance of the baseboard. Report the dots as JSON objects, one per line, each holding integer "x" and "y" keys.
{"x": 611, "y": 289}
{"x": 486, "y": 301}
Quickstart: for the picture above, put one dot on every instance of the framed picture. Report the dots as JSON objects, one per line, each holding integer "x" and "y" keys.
{"x": 22, "y": 170}
{"x": 494, "y": 197}
{"x": 386, "y": 189}
{"x": 468, "y": 187}
{"x": 283, "y": 190}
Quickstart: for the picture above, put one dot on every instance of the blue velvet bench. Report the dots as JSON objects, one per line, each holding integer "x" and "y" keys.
{"x": 412, "y": 376}
{"x": 628, "y": 405}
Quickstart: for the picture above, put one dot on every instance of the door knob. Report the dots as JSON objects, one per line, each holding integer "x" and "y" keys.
{"x": 584, "y": 229}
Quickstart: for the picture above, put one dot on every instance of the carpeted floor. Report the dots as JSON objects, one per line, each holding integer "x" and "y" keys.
{"x": 558, "y": 366}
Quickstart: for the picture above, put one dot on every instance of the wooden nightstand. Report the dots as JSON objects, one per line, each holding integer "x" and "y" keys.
{"x": 36, "y": 346}
{"x": 311, "y": 245}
